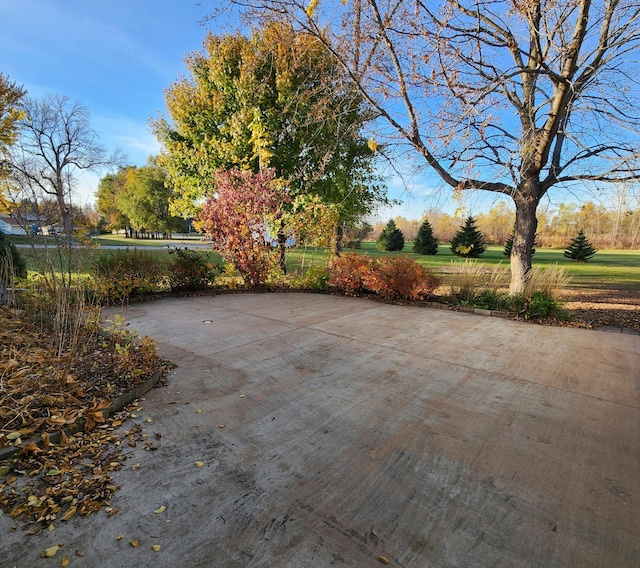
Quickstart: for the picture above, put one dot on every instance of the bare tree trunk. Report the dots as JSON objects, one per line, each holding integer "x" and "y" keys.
{"x": 282, "y": 240}
{"x": 523, "y": 238}
{"x": 337, "y": 249}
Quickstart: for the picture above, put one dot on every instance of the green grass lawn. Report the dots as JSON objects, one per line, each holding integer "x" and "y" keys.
{"x": 121, "y": 241}
{"x": 608, "y": 268}
{"x": 618, "y": 269}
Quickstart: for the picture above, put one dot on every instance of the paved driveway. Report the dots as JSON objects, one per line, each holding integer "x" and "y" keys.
{"x": 338, "y": 431}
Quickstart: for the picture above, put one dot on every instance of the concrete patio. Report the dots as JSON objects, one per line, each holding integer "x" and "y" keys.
{"x": 339, "y": 431}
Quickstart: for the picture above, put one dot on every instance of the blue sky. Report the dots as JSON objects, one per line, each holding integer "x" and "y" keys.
{"x": 116, "y": 57}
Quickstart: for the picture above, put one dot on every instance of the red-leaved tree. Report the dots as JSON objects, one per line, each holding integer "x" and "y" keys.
{"x": 237, "y": 216}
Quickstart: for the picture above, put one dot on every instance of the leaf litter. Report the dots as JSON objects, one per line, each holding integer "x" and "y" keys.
{"x": 42, "y": 392}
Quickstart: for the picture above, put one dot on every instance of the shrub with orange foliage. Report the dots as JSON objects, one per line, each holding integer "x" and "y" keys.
{"x": 399, "y": 278}
{"x": 348, "y": 272}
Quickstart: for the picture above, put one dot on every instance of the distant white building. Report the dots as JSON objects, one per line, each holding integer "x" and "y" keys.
{"x": 9, "y": 226}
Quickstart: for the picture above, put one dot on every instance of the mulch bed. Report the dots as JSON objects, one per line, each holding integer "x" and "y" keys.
{"x": 604, "y": 307}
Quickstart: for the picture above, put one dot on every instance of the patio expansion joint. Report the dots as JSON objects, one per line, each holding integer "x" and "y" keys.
{"x": 493, "y": 372}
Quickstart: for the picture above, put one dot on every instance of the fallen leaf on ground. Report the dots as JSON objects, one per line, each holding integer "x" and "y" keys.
{"x": 155, "y": 547}
{"x": 65, "y": 561}
{"x": 71, "y": 511}
{"x": 159, "y": 510}
{"x": 199, "y": 464}
{"x": 50, "y": 552}
{"x": 134, "y": 543}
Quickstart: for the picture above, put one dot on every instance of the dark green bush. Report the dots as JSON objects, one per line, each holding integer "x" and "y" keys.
{"x": 537, "y": 306}
{"x": 191, "y": 270}
{"x": 121, "y": 274}
{"x": 11, "y": 259}
{"x": 490, "y": 300}
{"x": 542, "y": 306}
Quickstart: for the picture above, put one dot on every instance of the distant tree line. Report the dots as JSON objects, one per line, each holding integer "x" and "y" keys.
{"x": 614, "y": 226}
{"x": 136, "y": 200}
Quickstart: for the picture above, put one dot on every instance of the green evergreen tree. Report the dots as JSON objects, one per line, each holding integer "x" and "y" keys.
{"x": 425, "y": 242}
{"x": 509, "y": 245}
{"x": 10, "y": 260}
{"x": 580, "y": 249}
{"x": 391, "y": 238}
{"x": 468, "y": 242}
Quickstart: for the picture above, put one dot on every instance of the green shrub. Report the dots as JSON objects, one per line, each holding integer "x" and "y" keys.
{"x": 542, "y": 306}
{"x": 490, "y": 299}
{"x": 191, "y": 270}
{"x": 121, "y": 274}
{"x": 539, "y": 306}
{"x": 314, "y": 278}
{"x": 535, "y": 306}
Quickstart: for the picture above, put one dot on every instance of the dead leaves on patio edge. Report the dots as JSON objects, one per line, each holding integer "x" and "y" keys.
{"x": 74, "y": 477}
